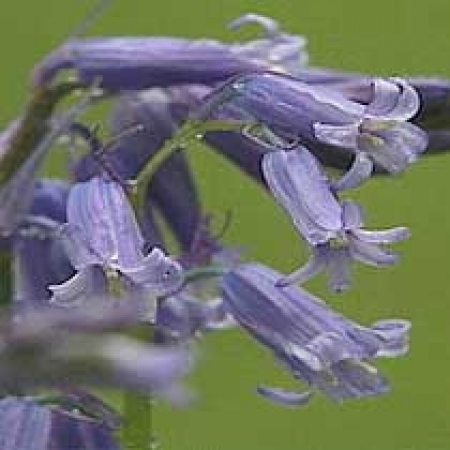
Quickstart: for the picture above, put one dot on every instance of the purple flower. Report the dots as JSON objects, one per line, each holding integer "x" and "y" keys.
{"x": 25, "y": 424}
{"x": 136, "y": 63}
{"x": 36, "y": 241}
{"x": 319, "y": 347}
{"x": 133, "y": 63}
{"x": 434, "y": 93}
{"x": 297, "y": 182}
{"x": 332, "y": 229}
{"x": 351, "y": 244}
{"x": 382, "y": 130}
{"x": 295, "y": 110}
{"x": 102, "y": 231}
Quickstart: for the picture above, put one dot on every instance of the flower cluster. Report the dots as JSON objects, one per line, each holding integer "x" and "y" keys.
{"x": 100, "y": 297}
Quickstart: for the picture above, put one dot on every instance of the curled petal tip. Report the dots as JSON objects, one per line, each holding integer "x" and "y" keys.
{"x": 393, "y": 99}
{"x": 283, "y": 397}
{"x": 270, "y": 26}
{"x": 394, "y": 334}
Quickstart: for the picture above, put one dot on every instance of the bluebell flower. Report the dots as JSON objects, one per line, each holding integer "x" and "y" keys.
{"x": 382, "y": 130}
{"x": 25, "y": 424}
{"x": 136, "y": 63}
{"x": 295, "y": 110}
{"x": 434, "y": 94}
{"x": 102, "y": 232}
{"x": 333, "y": 229}
{"x": 139, "y": 63}
{"x": 318, "y": 346}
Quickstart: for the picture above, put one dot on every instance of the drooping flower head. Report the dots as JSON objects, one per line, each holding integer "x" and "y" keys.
{"x": 136, "y": 63}
{"x": 317, "y": 345}
{"x": 102, "y": 232}
{"x": 333, "y": 229}
{"x": 319, "y": 114}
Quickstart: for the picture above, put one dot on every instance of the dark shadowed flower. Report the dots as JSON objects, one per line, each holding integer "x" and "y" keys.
{"x": 102, "y": 232}
{"x": 25, "y": 424}
{"x": 317, "y": 345}
{"x": 311, "y": 113}
{"x": 331, "y": 228}
{"x": 36, "y": 240}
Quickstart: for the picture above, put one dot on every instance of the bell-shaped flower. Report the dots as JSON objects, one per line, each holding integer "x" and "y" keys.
{"x": 310, "y": 113}
{"x": 102, "y": 231}
{"x": 382, "y": 130}
{"x": 320, "y": 347}
{"x": 331, "y": 228}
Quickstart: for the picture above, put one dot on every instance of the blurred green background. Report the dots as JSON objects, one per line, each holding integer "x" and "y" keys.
{"x": 403, "y": 37}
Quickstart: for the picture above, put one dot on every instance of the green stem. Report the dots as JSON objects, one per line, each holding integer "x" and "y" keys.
{"x": 138, "y": 422}
{"x": 137, "y": 411}
{"x": 189, "y": 133}
{"x": 33, "y": 127}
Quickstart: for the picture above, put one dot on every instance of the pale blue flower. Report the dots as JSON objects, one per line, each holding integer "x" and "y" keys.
{"x": 318, "y": 346}
{"x": 102, "y": 231}
{"x": 333, "y": 229}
